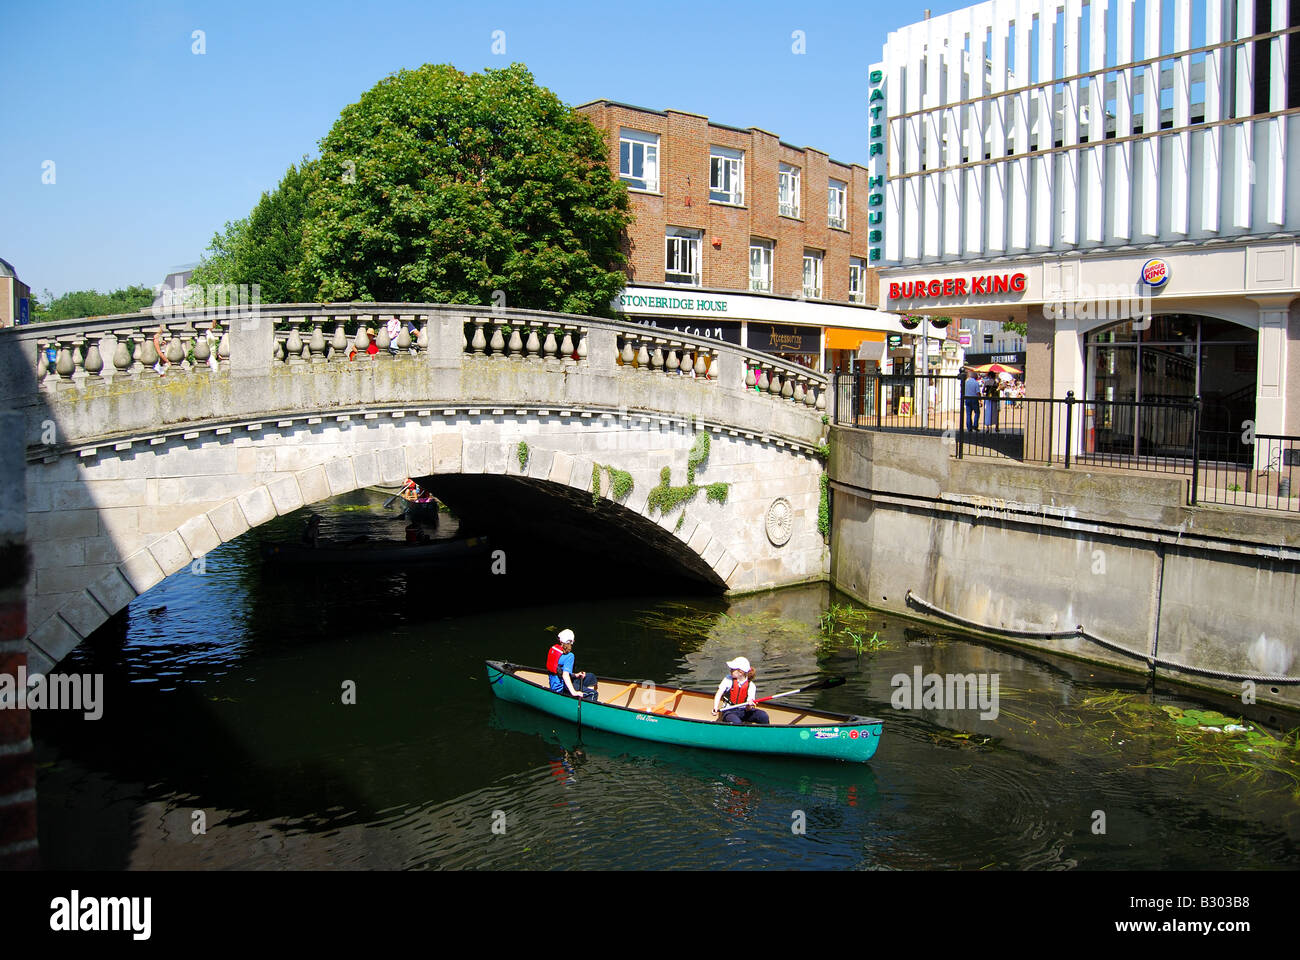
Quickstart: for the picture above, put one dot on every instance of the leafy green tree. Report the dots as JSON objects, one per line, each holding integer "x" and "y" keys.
{"x": 439, "y": 186}
{"x": 265, "y": 248}
{"x": 1016, "y": 326}
{"x": 91, "y": 303}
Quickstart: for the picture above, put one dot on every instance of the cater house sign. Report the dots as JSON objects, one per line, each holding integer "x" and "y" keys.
{"x": 984, "y": 284}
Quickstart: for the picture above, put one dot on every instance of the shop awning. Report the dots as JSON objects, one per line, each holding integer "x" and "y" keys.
{"x": 840, "y": 338}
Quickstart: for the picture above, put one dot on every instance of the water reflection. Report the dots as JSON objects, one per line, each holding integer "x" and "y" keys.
{"x": 223, "y": 695}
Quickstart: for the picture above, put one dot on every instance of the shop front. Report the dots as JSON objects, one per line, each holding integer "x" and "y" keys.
{"x": 807, "y": 333}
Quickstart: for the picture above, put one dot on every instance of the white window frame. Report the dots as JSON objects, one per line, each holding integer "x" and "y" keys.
{"x": 765, "y": 249}
{"x": 837, "y": 193}
{"x": 813, "y": 261}
{"x": 682, "y": 256}
{"x": 647, "y": 144}
{"x": 787, "y": 184}
{"x": 857, "y": 280}
{"x": 727, "y": 176}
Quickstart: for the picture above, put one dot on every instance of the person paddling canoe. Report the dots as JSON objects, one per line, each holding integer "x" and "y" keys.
{"x": 738, "y": 688}
{"x": 559, "y": 664}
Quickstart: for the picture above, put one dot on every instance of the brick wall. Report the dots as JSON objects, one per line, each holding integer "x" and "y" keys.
{"x": 17, "y": 765}
{"x": 682, "y": 200}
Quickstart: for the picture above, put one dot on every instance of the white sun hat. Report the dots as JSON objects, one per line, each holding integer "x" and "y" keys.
{"x": 740, "y": 663}
{"x": 565, "y": 636}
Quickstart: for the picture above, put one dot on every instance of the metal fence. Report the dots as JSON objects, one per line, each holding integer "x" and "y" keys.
{"x": 1163, "y": 435}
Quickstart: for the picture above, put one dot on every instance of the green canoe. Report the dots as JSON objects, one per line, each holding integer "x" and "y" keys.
{"x": 685, "y": 717}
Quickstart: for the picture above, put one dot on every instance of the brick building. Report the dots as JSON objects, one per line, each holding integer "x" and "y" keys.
{"x": 743, "y": 237}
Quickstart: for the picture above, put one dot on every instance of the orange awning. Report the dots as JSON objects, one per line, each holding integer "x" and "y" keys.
{"x": 839, "y": 338}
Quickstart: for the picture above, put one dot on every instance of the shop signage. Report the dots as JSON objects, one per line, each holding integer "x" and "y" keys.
{"x": 630, "y": 301}
{"x": 875, "y": 177}
{"x": 23, "y": 310}
{"x": 958, "y": 286}
{"x": 1155, "y": 273}
{"x": 778, "y": 338}
{"x": 964, "y": 338}
{"x": 727, "y": 330}
{"x": 895, "y": 340}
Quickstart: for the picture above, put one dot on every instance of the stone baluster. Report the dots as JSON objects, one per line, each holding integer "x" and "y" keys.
{"x": 382, "y": 340}
{"x": 516, "y": 344}
{"x": 799, "y": 389}
{"x": 774, "y": 382}
{"x": 362, "y": 340}
{"x": 657, "y": 358}
{"x": 122, "y": 355}
{"x": 787, "y": 390}
{"x": 338, "y": 345}
{"x": 278, "y": 351}
{"x": 478, "y": 343}
{"x": 422, "y": 341}
{"x": 223, "y": 350}
{"x": 701, "y": 365}
{"x": 404, "y": 337}
{"x": 534, "y": 344}
{"x": 750, "y": 379}
{"x": 627, "y": 355}
{"x": 550, "y": 349}
{"x": 566, "y": 347}
{"x": 582, "y": 344}
{"x": 672, "y": 364}
{"x": 293, "y": 343}
{"x": 497, "y": 344}
{"x": 94, "y": 363}
{"x": 808, "y": 397}
{"x": 642, "y": 354}
{"x": 762, "y": 381}
{"x": 149, "y": 357}
{"x": 821, "y": 400}
{"x": 202, "y": 352}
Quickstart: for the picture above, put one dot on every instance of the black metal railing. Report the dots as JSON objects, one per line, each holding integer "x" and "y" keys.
{"x": 1247, "y": 469}
{"x": 1163, "y": 435}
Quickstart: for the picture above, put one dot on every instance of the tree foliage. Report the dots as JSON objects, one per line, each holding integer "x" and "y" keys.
{"x": 91, "y": 303}
{"x": 1016, "y": 326}
{"x": 265, "y": 248}
{"x": 438, "y": 186}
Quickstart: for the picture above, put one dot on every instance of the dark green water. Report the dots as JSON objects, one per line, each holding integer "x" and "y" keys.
{"x": 225, "y": 695}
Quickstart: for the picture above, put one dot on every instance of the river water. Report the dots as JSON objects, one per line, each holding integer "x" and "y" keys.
{"x": 227, "y": 741}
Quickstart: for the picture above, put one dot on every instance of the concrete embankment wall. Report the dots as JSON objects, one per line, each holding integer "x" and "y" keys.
{"x": 1024, "y": 549}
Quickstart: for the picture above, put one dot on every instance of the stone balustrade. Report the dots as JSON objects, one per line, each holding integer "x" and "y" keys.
{"x": 107, "y": 375}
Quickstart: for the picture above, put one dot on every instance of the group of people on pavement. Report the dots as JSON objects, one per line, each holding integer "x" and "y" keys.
{"x": 737, "y": 688}
{"x": 991, "y": 390}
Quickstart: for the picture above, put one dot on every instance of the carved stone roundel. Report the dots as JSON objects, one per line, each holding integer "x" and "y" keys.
{"x": 780, "y": 520}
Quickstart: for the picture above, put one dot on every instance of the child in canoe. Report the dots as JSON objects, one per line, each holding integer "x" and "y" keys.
{"x": 737, "y": 689}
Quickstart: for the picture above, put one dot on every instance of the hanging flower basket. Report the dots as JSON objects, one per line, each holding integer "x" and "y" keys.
{"x": 910, "y": 323}
{"x": 940, "y": 322}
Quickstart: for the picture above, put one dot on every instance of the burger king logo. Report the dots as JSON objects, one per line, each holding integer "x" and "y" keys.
{"x": 1155, "y": 273}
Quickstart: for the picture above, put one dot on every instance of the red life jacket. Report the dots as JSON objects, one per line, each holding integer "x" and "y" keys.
{"x": 553, "y": 658}
{"x": 737, "y": 692}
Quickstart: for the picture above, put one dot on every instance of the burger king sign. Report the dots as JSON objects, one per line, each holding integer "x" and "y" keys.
{"x": 1155, "y": 273}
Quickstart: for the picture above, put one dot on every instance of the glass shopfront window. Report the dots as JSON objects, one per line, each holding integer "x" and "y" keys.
{"x": 1175, "y": 359}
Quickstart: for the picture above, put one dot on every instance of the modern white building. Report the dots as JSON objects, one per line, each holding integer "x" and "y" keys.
{"x": 1121, "y": 175}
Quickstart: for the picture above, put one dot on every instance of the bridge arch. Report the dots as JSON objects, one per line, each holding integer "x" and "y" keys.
{"x": 120, "y": 521}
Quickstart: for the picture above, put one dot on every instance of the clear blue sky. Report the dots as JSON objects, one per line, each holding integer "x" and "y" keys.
{"x": 155, "y": 147}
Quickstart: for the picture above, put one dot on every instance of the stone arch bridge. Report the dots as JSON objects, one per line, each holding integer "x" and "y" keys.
{"x": 132, "y": 475}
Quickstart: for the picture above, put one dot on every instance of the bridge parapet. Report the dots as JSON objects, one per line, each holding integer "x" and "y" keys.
{"x": 103, "y": 379}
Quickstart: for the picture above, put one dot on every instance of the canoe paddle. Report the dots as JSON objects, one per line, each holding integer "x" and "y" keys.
{"x": 815, "y": 685}
{"x": 405, "y": 486}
